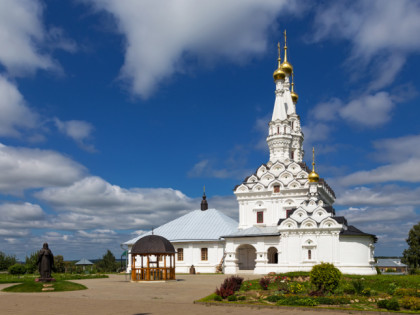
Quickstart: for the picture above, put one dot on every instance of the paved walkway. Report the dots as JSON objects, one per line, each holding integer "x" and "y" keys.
{"x": 116, "y": 295}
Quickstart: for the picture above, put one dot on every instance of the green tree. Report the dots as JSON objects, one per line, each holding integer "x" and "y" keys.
{"x": 6, "y": 261}
{"x": 17, "y": 269}
{"x": 59, "y": 264}
{"x": 31, "y": 262}
{"x": 325, "y": 277}
{"x": 108, "y": 263}
{"x": 411, "y": 256}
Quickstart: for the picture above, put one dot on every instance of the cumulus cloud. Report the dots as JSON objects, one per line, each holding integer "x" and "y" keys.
{"x": 24, "y": 39}
{"x": 403, "y": 157}
{"x": 369, "y": 110}
{"x": 380, "y": 196}
{"x": 23, "y": 168}
{"x": 79, "y": 130}
{"x": 15, "y": 115}
{"x": 382, "y": 33}
{"x": 161, "y": 36}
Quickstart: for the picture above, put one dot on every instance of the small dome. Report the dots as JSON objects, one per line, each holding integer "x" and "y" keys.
{"x": 294, "y": 96}
{"x": 313, "y": 177}
{"x": 279, "y": 74}
{"x": 153, "y": 244}
{"x": 287, "y": 67}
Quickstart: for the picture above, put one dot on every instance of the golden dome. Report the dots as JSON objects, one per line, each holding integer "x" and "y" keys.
{"x": 313, "y": 176}
{"x": 294, "y": 95}
{"x": 286, "y": 66}
{"x": 279, "y": 73}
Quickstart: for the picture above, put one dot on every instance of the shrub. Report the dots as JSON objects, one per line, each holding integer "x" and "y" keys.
{"x": 229, "y": 286}
{"x": 295, "y": 300}
{"x": 366, "y": 292}
{"x": 382, "y": 303}
{"x": 405, "y": 292}
{"x": 217, "y": 298}
{"x": 349, "y": 289}
{"x": 325, "y": 277}
{"x": 392, "y": 304}
{"x": 17, "y": 269}
{"x": 232, "y": 298}
{"x": 411, "y": 303}
{"x": 295, "y": 287}
{"x": 242, "y": 298}
{"x": 391, "y": 288}
{"x": 264, "y": 282}
{"x": 358, "y": 285}
{"x": 273, "y": 298}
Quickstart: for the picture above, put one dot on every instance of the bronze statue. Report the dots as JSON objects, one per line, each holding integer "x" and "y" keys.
{"x": 45, "y": 263}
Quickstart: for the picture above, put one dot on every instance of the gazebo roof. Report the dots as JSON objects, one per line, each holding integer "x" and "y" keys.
{"x": 153, "y": 244}
{"x": 84, "y": 261}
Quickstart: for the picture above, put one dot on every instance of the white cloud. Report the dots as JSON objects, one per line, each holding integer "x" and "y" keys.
{"x": 79, "y": 130}
{"x": 205, "y": 168}
{"x": 24, "y": 39}
{"x": 161, "y": 35}
{"x": 23, "y": 168}
{"x": 382, "y": 34}
{"x": 369, "y": 110}
{"x": 380, "y": 196}
{"x": 15, "y": 115}
{"x": 390, "y": 150}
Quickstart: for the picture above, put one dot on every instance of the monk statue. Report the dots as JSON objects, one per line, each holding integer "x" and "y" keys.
{"x": 45, "y": 263}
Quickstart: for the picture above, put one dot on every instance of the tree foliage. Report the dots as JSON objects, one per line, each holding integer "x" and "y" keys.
{"x": 31, "y": 262}
{"x": 6, "y": 261}
{"x": 107, "y": 263}
{"x": 325, "y": 277}
{"x": 59, "y": 263}
{"x": 17, "y": 269}
{"x": 411, "y": 256}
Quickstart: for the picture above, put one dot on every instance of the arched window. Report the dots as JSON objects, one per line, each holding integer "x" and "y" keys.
{"x": 272, "y": 255}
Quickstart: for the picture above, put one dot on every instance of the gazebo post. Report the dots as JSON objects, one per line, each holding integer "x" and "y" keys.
{"x": 164, "y": 270}
{"x": 148, "y": 269}
{"x": 133, "y": 267}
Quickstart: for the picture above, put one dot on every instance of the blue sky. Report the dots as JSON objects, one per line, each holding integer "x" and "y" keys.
{"x": 114, "y": 114}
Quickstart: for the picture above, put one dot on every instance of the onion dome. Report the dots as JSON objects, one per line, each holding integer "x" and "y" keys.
{"x": 294, "y": 96}
{"x": 279, "y": 74}
{"x": 286, "y": 66}
{"x": 313, "y": 176}
{"x": 204, "y": 204}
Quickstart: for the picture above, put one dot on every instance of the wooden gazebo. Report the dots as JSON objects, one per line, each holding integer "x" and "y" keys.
{"x": 152, "y": 259}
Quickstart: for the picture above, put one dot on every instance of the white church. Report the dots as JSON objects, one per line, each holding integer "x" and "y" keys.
{"x": 286, "y": 217}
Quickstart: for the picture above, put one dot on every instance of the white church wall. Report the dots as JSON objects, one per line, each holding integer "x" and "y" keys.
{"x": 356, "y": 255}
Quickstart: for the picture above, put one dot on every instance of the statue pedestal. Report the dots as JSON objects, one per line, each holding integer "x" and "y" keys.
{"x": 44, "y": 280}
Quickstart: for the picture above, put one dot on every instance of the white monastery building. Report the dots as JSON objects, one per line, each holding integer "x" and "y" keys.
{"x": 286, "y": 217}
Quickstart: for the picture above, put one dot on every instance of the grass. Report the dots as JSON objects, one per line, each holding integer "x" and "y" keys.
{"x": 6, "y": 278}
{"x": 32, "y": 286}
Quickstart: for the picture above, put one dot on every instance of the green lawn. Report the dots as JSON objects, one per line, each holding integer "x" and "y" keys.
{"x": 32, "y": 286}
{"x": 6, "y": 278}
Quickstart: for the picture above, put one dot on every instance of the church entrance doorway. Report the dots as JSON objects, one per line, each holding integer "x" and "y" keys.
{"x": 246, "y": 257}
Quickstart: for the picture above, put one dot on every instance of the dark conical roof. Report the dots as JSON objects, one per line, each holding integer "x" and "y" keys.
{"x": 153, "y": 244}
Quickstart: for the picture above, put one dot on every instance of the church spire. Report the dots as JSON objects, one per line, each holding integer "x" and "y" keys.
{"x": 204, "y": 204}
{"x": 286, "y": 66}
{"x": 285, "y": 136}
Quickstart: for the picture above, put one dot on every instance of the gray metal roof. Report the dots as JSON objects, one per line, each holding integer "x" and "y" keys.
{"x": 255, "y": 231}
{"x": 197, "y": 225}
{"x": 389, "y": 262}
{"x": 84, "y": 261}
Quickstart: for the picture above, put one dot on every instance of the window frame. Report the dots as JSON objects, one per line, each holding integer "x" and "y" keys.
{"x": 204, "y": 254}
